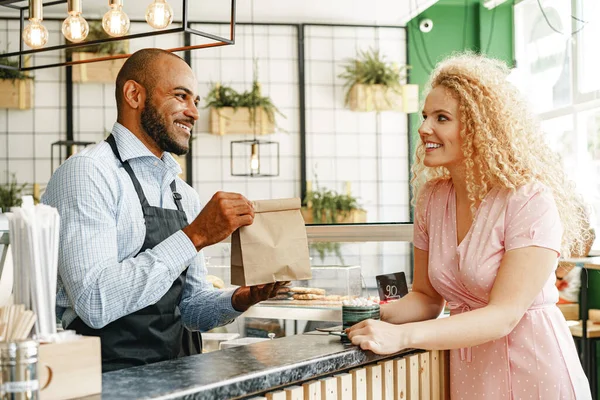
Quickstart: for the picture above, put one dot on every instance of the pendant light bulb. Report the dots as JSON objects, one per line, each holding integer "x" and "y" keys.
{"x": 254, "y": 163}
{"x": 35, "y": 35}
{"x": 75, "y": 28}
{"x": 159, "y": 14}
{"x": 115, "y": 22}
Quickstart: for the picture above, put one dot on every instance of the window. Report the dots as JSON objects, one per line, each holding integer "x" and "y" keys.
{"x": 567, "y": 103}
{"x": 587, "y": 22}
{"x": 543, "y": 51}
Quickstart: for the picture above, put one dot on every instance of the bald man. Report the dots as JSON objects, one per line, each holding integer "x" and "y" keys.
{"x": 131, "y": 268}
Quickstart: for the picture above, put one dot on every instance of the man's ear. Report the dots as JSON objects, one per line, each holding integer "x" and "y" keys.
{"x": 134, "y": 94}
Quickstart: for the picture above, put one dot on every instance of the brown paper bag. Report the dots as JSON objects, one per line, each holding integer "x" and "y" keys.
{"x": 274, "y": 248}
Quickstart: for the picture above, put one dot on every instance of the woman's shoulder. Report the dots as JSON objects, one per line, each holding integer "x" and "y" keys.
{"x": 433, "y": 189}
{"x": 528, "y": 191}
{"x": 532, "y": 194}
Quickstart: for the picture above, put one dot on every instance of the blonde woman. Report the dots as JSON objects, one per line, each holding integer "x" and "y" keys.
{"x": 493, "y": 214}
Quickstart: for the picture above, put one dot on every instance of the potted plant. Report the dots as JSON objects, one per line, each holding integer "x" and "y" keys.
{"x": 325, "y": 206}
{"x": 102, "y": 71}
{"x": 373, "y": 84}
{"x": 247, "y": 112}
{"x": 16, "y": 87}
{"x": 10, "y": 194}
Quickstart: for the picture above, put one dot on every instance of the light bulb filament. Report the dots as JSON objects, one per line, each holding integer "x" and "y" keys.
{"x": 159, "y": 15}
{"x": 254, "y": 163}
{"x": 36, "y": 37}
{"x": 76, "y": 29}
{"x": 115, "y": 22}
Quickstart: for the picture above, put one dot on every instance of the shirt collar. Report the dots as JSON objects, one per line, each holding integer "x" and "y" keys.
{"x": 131, "y": 147}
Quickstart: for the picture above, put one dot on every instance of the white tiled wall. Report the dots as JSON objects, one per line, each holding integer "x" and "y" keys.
{"x": 274, "y": 48}
{"x": 25, "y": 136}
{"x": 366, "y": 149}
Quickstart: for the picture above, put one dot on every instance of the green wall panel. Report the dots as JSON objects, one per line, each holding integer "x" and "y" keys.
{"x": 457, "y": 25}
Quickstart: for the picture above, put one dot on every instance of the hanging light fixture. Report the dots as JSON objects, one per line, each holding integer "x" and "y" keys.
{"x": 75, "y": 27}
{"x": 254, "y": 158}
{"x": 35, "y": 35}
{"x": 159, "y": 14}
{"x": 115, "y": 22}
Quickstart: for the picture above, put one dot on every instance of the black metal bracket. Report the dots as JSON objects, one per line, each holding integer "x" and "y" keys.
{"x": 185, "y": 28}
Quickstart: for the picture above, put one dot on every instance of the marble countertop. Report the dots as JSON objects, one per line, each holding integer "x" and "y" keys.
{"x": 239, "y": 371}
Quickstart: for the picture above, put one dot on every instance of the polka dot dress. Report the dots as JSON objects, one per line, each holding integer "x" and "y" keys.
{"x": 538, "y": 359}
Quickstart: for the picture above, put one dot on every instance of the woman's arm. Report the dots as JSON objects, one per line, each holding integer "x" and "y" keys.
{"x": 521, "y": 277}
{"x": 422, "y": 303}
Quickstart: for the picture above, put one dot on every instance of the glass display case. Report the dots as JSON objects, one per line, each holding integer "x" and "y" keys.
{"x": 337, "y": 280}
{"x": 358, "y": 253}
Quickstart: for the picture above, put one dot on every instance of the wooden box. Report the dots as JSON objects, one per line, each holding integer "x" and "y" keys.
{"x": 355, "y": 216}
{"x": 366, "y": 98}
{"x": 98, "y": 72}
{"x": 71, "y": 369}
{"x": 229, "y": 120}
{"x": 17, "y": 93}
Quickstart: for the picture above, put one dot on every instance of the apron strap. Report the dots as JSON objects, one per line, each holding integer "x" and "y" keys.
{"x": 176, "y": 196}
{"x": 136, "y": 184}
{"x": 138, "y": 187}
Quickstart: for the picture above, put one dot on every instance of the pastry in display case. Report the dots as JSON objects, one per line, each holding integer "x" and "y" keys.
{"x": 329, "y": 286}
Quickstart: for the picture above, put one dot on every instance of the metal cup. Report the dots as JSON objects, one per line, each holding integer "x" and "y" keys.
{"x": 19, "y": 370}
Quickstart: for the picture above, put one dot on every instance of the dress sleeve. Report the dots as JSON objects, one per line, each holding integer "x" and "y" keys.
{"x": 420, "y": 230}
{"x": 532, "y": 219}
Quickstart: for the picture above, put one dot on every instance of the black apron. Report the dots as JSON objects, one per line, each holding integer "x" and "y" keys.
{"x": 154, "y": 333}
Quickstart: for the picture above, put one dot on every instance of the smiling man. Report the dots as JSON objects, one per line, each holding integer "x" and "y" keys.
{"x": 131, "y": 269}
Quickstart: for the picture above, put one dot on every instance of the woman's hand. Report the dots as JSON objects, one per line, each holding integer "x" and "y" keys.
{"x": 378, "y": 336}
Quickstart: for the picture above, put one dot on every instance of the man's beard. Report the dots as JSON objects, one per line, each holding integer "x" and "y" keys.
{"x": 156, "y": 127}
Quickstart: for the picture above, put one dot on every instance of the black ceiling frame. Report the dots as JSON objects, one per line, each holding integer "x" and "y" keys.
{"x": 185, "y": 28}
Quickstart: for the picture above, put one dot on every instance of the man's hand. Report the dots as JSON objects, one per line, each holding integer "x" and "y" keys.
{"x": 222, "y": 215}
{"x": 246, "y": 296}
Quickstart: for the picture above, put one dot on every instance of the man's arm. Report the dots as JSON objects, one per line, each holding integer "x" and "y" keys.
{"x": 101, "y": 288}
{"x": 202, "y": 306}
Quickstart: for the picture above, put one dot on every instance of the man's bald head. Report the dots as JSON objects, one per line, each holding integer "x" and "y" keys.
{"x": 141, "y": 67}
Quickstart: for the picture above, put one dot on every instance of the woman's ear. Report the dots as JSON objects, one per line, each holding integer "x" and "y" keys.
{"x": 134, "y": 94}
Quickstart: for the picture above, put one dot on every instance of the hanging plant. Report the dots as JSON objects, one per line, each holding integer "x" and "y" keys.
{"x": 246, "y": 112}
{"x": 373, "y": 84}
{"x": 16, "y": 87}
{"x": 96, "y": 32}
{"x": 325, "y": 206}
{"x": 11, "y": 74}
{"x": 99, "y": 72}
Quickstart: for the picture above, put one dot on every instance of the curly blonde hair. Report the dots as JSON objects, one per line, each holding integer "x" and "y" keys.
{"x": 503, "y": 141}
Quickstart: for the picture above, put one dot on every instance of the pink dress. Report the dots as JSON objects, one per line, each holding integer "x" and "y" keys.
{"x": 538, "y": 359}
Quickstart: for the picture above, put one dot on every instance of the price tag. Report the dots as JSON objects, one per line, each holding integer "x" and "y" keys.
{"x": 391, "y": 286}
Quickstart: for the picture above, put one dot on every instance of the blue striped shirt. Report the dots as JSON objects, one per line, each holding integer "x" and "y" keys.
{"x": 100, "y": 277}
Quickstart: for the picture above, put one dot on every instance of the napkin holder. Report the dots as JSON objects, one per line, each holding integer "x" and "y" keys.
{"x": 70, "y": 369}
